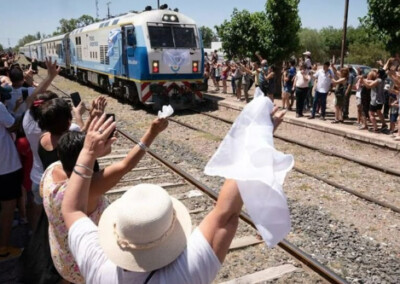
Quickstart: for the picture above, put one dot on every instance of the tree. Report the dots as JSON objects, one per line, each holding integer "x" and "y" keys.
{"x": 332, "y": 40}
{"x": 366, "y": 53}
{"x": 68, "y": 25}
{"x": 244, "y": 34}
{"x": 28, "y": 38}
{"x": 283, "y": 23}
{"x": 382, "y": 19}
{"x": 207, "y": 35}
{"x": 1, "y": 47}
{"x": 312, "y": 41}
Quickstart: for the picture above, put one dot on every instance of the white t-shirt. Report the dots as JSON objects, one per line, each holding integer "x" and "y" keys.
{"x": 10, "y": 161}
{"x": 197, "y": 263}
{"x": 33, "y": 133}
{"x": 15, "y": 95}
{"x": 300, "y": 82}
{"x": 324, "y": 80}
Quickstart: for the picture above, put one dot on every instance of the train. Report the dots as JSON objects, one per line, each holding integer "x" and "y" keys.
{"x": 153, "y": 57}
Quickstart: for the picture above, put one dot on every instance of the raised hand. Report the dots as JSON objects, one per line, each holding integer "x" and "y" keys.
{"x": 98, "y": 106}
{"x": 52, "y": 69}
{"x": 158, "y": 125}
{"x": 97, "y": 142}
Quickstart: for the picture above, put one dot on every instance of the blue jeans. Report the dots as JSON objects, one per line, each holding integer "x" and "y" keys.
{"x": 319, "y": 98}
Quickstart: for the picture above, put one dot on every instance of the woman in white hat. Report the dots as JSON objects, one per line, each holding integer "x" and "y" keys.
{"x": 146, "y": 233}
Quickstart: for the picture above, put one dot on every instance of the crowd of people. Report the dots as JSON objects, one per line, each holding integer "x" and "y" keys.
{"x": 310, "y": 84}
{"x": 51, "y": 176}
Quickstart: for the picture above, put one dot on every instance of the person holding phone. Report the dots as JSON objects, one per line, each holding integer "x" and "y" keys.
{"x": 17, "y": 79}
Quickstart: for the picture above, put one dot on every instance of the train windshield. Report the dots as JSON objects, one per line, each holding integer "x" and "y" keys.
{"x": 172, "y": 37}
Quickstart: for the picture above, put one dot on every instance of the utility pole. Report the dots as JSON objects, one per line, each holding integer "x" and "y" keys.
{"x": 158, "y": 4}
{"x": 346, "y": 12}
{"x": 108, "y": 9}
{"x": 97, "y": 8}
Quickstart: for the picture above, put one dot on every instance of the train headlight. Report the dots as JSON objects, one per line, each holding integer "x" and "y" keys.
{"x": 170, "y": 18}
{"x": 195, "y": 66}
{"x": 156, "y": 66}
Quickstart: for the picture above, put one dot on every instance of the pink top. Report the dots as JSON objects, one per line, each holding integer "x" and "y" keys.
{"x": 53, "y": 195}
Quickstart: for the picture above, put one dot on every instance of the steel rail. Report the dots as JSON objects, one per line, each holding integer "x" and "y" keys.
{"x": 320, "y": 149}
{"x": 300, "y": 255}
{"x": 303, "y": 171}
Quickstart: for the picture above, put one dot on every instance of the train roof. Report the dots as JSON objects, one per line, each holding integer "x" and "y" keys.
{"x": 59, "y": 37}
{"x": 33, "y": 42}
{"x": 136, "y": 18}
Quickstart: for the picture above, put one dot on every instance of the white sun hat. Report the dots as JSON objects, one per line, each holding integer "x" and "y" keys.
{"x": 145, "y": 229}
{"x": 247, "y": 155}
{"x": 307, "y": 53}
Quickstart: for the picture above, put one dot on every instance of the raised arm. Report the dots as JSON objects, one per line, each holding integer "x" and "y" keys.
{"x": 75, "y": 202}
{"x": 52, "y": 72}
{"x": 370, "y": 83}
{"x": 220, "y": 225}
{"x": 111, "y": 175}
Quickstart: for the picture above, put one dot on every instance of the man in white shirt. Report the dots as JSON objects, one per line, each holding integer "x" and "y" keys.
{"x": 146, "y": 233}
{"x": 324, "y": 81}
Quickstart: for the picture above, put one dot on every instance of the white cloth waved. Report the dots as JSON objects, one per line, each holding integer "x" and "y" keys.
{"x": 247, "y": 155}
{"x": 165, "y": 112}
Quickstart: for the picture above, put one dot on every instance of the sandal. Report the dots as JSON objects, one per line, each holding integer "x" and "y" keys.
{"x": 335, "y": 121}
{"x": 373, "y": 130}
{"x": 362, "y": 127}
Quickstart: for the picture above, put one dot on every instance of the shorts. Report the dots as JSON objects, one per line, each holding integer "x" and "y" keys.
{"x": 217, "y": 78}
{"x": 393, "y": 117}
{"x": 36, "y": 194}
{"x": 11, "y": 185}
{"x": 375, "y": 108}
{"x": 358, "y": 101}
{"x": 339, "y": 101}
{"x": 238, "y": 82}
{"x": 287, "y": 89}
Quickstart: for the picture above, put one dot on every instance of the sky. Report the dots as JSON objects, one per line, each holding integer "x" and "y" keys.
{"x": 30, "y": 16}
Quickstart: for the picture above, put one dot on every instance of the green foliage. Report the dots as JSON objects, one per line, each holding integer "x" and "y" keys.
{"x": 29, "y": 38}
{"x": 244, "y": 34}
{"x": 332, "y": 40}
{"x": 1, "y": 47}
{"x": 68, "y": 25}
{"x": 283, "y": 27}
{"x": 207, "y": 35}
{"x": 312, "y": 41}
{"x": 382, "y": 20}
{"x": 272, "y": 33}
{"x": 366, "y": 53}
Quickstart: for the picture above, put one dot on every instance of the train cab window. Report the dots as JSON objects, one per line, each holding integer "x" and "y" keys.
{"x": 106, "y": 24}
{"x": 161, "y": 37}
{"x": 131, "y": 37}
{"x": 115, "y": 22}
{"x": 184, "y": 37}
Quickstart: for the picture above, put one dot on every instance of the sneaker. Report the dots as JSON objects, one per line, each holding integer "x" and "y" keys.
{"x": 9, "y": 253}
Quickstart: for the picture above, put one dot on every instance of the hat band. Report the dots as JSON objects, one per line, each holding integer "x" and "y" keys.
{"x": 125, "y": 244}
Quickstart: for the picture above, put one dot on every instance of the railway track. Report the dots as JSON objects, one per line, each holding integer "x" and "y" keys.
{"x": 180, "y": 184}
{"x": 304, "y": 171}
{"x": 197, "y": 210}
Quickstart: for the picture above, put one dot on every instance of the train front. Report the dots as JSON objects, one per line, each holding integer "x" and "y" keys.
{"x": 175, "y": 60}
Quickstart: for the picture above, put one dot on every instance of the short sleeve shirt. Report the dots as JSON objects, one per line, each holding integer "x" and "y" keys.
{"x": 53, "y": 195}
{"x": 8, "y": 151}
{"x": 197, "y": 264}
{"x": 15, "y": 95}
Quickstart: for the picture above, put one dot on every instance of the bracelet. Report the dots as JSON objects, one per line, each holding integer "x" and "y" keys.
{"x": 85, "y": 167}
{"x": 142, "y": 146}
{"x": 82, "y": 175}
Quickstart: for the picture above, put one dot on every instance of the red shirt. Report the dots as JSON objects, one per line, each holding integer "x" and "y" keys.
{"x": 25, "y": 154}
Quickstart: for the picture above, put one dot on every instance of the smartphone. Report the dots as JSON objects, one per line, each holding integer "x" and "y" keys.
{"x": 108, "y": 115}
{"x": 76, "y": 99}
{"x": 24, "y": 94}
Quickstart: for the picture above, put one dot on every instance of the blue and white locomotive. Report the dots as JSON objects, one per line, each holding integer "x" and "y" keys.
{"x": 154, "y": 57}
